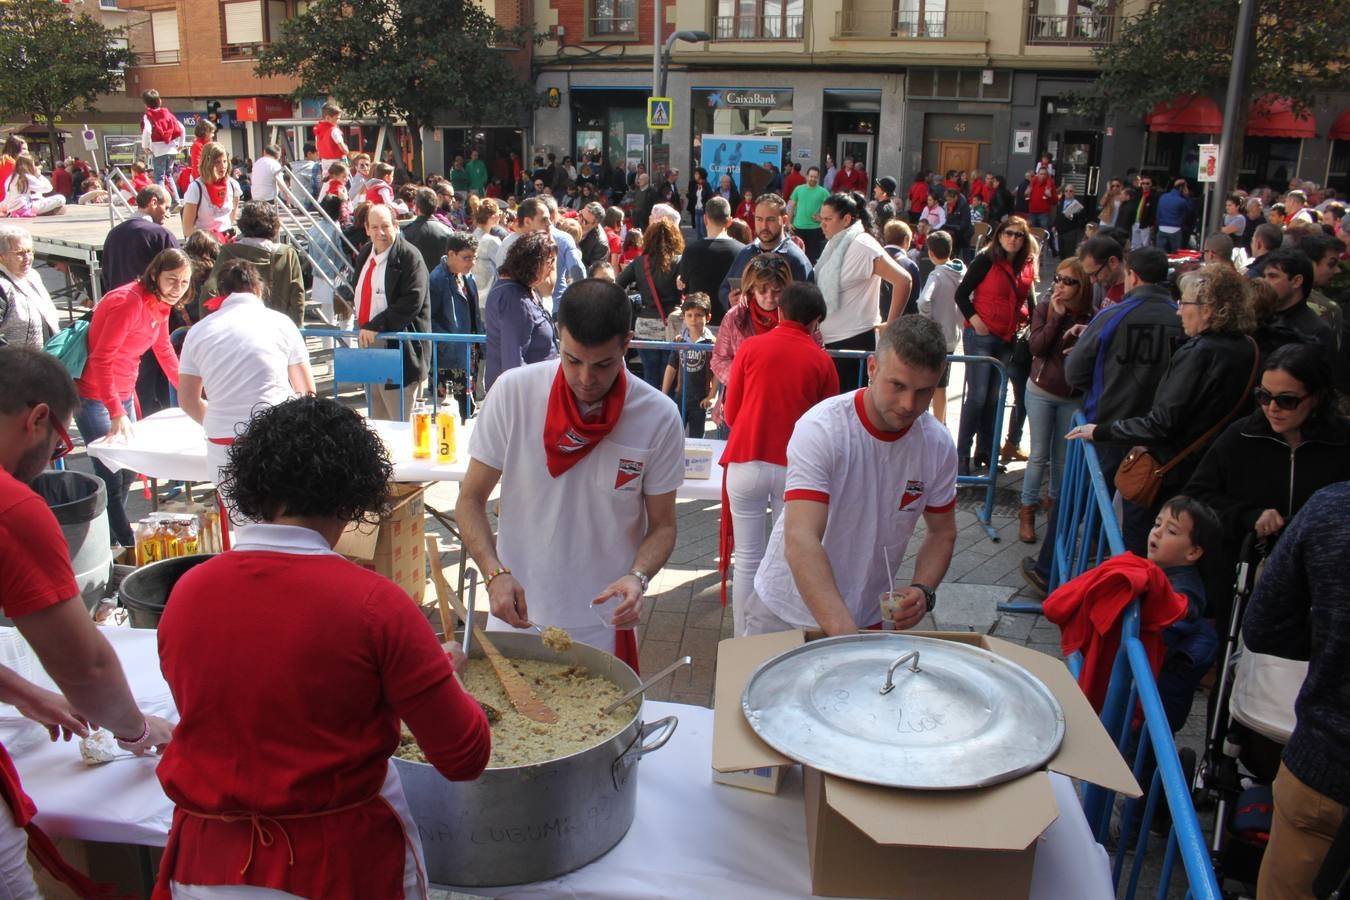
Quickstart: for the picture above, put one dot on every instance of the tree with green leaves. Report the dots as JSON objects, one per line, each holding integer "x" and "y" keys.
{"x": 1186, "y": 47}
{"x": 56, "y": 62}
{"x": 402, "y": 59}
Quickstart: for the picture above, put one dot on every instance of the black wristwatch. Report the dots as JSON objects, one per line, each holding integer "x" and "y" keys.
{"x": 929, "y": 594}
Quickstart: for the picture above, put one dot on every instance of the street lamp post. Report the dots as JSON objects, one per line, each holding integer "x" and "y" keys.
{"x": 661, "y": 62}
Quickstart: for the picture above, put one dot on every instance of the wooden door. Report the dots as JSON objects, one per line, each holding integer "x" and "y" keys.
{"x": 958, "y": 155}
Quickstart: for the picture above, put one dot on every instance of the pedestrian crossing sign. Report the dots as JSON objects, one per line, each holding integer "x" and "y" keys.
{"x": 658, "y": 113}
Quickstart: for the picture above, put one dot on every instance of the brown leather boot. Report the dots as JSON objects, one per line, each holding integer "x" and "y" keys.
{"x": 1012, "y": 453}
{"x": 1026, "y": 524}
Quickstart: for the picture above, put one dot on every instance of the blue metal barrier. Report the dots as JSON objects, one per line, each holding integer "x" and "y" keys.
{"x": 1086, "y": 534}
{"x": 989, "y": 481}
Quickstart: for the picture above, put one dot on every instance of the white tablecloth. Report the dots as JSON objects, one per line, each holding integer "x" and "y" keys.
{"x": 690, "y": 837}
{"x": 170, "y": 446}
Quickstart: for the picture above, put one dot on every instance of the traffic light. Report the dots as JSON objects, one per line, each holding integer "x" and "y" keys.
{"x": 213, "y": 111}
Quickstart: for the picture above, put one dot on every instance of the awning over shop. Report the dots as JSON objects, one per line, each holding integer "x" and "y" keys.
{"x": 1187, "y": 114}
{"x": 1340, "y": 129}
{"x": 1274, "y": 117}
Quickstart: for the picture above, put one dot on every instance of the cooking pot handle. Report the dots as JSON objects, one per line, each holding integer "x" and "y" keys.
{"x": 662, "y": 728}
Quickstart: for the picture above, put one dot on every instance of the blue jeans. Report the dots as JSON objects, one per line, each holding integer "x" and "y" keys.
{"x": 1167, "y": 242}
{"x": 163, "y": 169}
{"x": 653, "y": 366}
{"x": 93, "y": 422}
{"x": 981, "y": 400}
{"x": 1049, "y": 417}
{"x": 700, "y": 227}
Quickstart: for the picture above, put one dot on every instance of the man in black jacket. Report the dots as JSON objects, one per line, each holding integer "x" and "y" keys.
{"x": 391, "y": 295}
{"x": 429, "y": 236}
{"x": 1290, "y": 273}
{"x": 707, "y": 260}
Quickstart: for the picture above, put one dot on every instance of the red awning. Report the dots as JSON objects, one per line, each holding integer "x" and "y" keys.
{"x": 1340, "y": 129}
{"x": 1187, "y": 114}
{"x": 1274, "y": 117}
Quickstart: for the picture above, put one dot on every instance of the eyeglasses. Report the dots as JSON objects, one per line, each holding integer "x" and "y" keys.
{"x": 1191, "y": 303}
{"x": 1065, "y": 279}
{"x": 1020, "y": 235}
{"x": 65, "y": 444}
{"x": 1283, "y": 401}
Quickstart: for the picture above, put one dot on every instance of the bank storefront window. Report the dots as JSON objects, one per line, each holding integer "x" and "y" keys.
{"x": 740, "y": 111}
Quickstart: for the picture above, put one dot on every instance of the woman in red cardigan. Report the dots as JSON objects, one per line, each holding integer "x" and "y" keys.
{"x": 127, "y": 322}
{"x": 775, "y": 378}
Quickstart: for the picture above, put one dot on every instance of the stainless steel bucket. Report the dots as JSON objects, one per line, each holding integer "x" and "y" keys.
{"x": 523, "y": 824}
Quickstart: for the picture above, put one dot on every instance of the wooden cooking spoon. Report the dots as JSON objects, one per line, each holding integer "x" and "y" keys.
{"x": 515, "y": 685}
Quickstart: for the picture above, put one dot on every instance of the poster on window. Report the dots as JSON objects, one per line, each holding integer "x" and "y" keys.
{"x": 726, "y": 154}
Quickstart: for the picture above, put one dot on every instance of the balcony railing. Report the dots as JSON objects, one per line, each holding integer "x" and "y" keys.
{"x": 1084, "y": 30}
{"x": 607, "y": 26}
{"x": 241, "y": 51}
{"x": 758, "y": 28}
{"x": 157, "y": 58}
{"x": 910, "y": 24}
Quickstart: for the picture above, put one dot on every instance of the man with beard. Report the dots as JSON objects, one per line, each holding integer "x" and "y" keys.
{"x": 770, "y": 216}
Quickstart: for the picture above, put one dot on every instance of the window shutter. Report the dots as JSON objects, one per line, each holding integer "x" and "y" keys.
{"x": 243, "y": 22}
{"x": 164, "y": 30}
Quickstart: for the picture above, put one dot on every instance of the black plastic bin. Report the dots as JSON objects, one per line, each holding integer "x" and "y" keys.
{"x": 145, "y": 592}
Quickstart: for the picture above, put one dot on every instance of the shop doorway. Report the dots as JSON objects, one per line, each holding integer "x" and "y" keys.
{"x": 958, "y": 156}
{"x": 1078, "y": 161}
{"x": 858, "y": 146}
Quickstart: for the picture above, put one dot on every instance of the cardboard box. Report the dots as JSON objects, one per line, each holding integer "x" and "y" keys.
{"x": 869, "y": 841}
{"x": 395, "y": 547}
{"x": 698, "y": 459}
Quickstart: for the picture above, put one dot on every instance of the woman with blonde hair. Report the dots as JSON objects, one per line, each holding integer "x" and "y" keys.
{"x": 212, "y": 200}
{"x": 487, "y": 217}
{"x": 1206, "y": 384}
{"x": 652, "y": 274}
{"x": 26, "y": 191}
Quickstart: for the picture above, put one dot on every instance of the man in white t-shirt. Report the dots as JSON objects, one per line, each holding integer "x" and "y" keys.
{"x": 863, "y": 467}
{"x": 266, "y": 171}
{"x": 244, "y": 356}
{"x": 588, "y": 459}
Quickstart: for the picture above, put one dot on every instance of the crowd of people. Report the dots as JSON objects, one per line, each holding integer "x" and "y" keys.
{"x": 1223, "y": 357}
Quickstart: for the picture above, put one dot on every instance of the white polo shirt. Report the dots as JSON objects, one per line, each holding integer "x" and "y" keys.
{"x": 877, "y": 486}
{"x": 264, "y": 177}
{"x": 857, "y": 306}
{"x": 566, "y": 539}
{"x": 241, "y": 352}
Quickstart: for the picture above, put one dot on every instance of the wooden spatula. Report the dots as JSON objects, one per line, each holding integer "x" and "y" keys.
{"x": 515, "y": 685}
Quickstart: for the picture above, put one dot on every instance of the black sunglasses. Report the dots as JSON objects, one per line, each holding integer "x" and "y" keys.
{"x": 1065, "y": 279}
{"x": 768, "y": 261}
{"x": 1283, "y": 401}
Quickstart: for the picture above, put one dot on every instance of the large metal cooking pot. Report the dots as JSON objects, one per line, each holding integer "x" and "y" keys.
{"x": 521, "y": 824}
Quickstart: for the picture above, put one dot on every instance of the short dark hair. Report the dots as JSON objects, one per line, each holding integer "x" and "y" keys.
{"x": 151, "y": 99}
{"x": 1311, "y": 365}
{"x": 697, "y": 300}
{"x": 425, "y": 200}
{"x": 166, "y": 260}
{"x": 331, "y": 204}
{"x": 772, "y": 200}
{"x": 939, "y": 244}
{"x": 149, "y": 193}
{"x": 1317, "y": 246}
{"x": 531, "y": 208}
{"x": 1206, "y": 529}
{"x": 594, "y": 312}
{"x": 525, "y": 255}
{"x": 1149, "y": 264}
{"x": 718, "y": 211}
{"x": 29, "y": 375}
{"x": 259, "y": 220}
{"x": 1100, "y": 249}
{"x": 802, "y": 302}
{"x": 1293, "y": 262}
{"x": 240, "y": 275}
{"x": 917, "y": 340}
{"x": 308, "y": 456}
{"x": 459, "y": 241}
{"x": 1272, "y": 236}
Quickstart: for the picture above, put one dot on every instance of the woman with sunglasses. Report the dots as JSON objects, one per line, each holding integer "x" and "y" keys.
{"x": 993, "y": 297}
{"x": 1265, "y": 466}
{"x": 1051, "y": 403}
{"x": 1205, "y": 381}
{"x": 128, "y": 321}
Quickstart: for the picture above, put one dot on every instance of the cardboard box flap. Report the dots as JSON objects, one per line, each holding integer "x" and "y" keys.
{"x": 1007, "y": 816}
{"x": 1088, "y": 753}
{"x": 359, "y": 539}
{"x": 736, "y": 747}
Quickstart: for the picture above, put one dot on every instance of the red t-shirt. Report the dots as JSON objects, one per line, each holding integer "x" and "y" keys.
{"x": 291, "y": 673}
{"x": 615, "y": 245}
{"x": 35, "y": 568}
{"x": 775, "y": 379}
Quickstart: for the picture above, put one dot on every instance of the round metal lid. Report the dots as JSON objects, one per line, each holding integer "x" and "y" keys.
{"x": 957, "y": 716}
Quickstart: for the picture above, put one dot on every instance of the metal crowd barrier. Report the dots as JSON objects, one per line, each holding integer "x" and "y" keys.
{"x": 1087, "y": 534}
{"x": 989, "y": 481}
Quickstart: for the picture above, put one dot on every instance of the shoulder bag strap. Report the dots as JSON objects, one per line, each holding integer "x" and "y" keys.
{"x": 1237, "y": 407}
{"x": 651, "y": 285}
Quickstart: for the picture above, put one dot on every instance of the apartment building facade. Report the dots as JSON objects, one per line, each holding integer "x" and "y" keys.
{"x": 900, "y": 85}
{"x": 200, "y": 55}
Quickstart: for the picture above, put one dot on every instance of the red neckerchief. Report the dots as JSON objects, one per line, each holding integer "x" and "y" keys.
{"x": 568, "y": 436}
{"x": 762, "y": 322}
{"x": 216, "y": 191}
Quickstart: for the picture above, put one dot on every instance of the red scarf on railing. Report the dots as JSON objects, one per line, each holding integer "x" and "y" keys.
{"x": 568, "y": 435}
{"x": 761, "y": 320}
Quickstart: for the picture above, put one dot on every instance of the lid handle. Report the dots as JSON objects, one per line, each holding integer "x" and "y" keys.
{"x": 890, "y": 671}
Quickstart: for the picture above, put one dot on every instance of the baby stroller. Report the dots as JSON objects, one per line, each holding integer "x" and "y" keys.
{"x": 1250, "y": 719}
